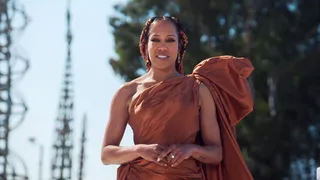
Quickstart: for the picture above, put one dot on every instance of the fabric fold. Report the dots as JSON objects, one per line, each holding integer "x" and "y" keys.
{"x": 225, "y": 76}
{"x": 168, "y": 113}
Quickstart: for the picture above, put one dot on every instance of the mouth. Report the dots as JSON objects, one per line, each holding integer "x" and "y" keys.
{"x": 162, "y": 57}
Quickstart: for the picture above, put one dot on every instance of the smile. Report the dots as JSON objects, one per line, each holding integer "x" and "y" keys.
{"x": 162, "y": 57}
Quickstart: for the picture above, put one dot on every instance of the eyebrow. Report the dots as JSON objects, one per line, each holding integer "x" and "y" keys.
{"x": 168, "y": 35}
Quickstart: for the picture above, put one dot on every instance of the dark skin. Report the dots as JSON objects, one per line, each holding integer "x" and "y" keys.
{"x": 163, "y": 50}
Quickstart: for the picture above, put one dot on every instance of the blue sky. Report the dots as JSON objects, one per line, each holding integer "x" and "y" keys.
{"x": 43, "y": 42}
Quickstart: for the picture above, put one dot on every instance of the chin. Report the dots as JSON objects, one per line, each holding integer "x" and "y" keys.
{"x": 165, "y": 68}
{"x": 163, "y": 64}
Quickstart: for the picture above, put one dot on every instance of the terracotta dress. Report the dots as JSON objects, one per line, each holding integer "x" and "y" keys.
{"x": 168, "y": 113}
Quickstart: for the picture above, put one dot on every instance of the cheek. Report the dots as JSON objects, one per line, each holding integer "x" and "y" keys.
{"x": 150, "y": 48}
{"x": 174, "y": 48}
{"x": 174, "y": 45}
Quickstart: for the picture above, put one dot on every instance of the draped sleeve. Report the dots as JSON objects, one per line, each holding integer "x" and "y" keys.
{"x": 226, "y": 78}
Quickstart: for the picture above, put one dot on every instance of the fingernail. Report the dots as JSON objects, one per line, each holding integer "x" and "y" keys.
{"x": 165, "y": 164}
{"x": 158, "y": 159}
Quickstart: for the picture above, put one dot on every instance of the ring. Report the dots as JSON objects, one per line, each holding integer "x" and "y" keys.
{"x": 172, "y": 156}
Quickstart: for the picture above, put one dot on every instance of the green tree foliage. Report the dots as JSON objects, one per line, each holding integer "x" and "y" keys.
{"x": 280, "y": 139}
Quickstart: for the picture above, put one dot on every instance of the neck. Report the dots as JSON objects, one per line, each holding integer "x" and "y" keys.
{"x": 160, "y": 75}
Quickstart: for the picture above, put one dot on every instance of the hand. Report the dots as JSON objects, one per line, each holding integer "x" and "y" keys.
{"x": 175, "y": 154}
{"x": 151, "y": 153}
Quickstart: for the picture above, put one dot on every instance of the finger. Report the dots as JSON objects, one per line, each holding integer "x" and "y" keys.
{"x": 157, "y": 154}
{"x": 159, "y": 148}
{"x": 177, "y": 157}
{"x": 174, "y": 152}
{"x": 161, "y": 163}
{"x": 164, "y": 153}
{"x": 158, "y": 151}
{"x": 178, "y": 160}
{"x": 165, "y": 160}
{"x": 162, "y": 147}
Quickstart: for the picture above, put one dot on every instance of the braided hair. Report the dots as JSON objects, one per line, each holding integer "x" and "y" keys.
{"x": 183, "y": 41}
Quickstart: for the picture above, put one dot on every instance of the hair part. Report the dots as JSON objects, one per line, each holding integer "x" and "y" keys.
{"x": 182, "y": 38}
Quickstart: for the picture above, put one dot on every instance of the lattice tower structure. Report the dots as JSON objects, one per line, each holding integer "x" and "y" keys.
{"x": 61, "y": 164}
{"x": 13, "y": 66}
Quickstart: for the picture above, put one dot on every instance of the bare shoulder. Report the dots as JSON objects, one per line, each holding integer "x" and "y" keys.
{"x": 204, "y": 93}
{"x": 127, "y": 90}
{"x": 204, "y": 90}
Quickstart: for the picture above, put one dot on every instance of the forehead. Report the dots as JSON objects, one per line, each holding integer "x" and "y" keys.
{"x": 163, "y": 27}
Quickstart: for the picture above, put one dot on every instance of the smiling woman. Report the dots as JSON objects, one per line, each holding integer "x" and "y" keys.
{"x": 162, "y": 45}
{"x": 168, "y": 33}
{"x": 182, "y": 124}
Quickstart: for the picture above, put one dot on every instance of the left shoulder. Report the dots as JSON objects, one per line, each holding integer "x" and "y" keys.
{"x": 204, "y": 94}
{"x": 203, "y": 89}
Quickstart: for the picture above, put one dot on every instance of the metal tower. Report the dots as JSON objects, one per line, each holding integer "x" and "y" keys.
{"x": 62, "y": 160}
{"x": 12, "y": 107}
{"x": 82, "y": 153}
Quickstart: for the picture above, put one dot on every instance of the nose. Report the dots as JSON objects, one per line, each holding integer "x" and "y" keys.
{"x": 162, "y": 48}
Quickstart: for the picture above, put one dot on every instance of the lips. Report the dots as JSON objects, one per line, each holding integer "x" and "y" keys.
{"x": 162, "y": 56}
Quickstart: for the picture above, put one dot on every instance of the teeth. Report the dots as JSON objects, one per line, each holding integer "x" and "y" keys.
{"x": 162, "y": 56}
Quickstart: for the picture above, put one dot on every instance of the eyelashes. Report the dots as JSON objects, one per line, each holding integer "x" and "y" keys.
{"x": 168, "y": 40}
{"x": 171, "y": 40}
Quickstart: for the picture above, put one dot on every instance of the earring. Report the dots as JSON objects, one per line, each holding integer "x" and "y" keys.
{"x": 148, "y": 64}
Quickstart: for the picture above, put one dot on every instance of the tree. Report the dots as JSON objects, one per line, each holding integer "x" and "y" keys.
{"x": 280, "y": 138}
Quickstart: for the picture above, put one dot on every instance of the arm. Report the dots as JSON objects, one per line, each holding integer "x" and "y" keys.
{"x": 111, "y": 152}
{"x": 211, "y": 152}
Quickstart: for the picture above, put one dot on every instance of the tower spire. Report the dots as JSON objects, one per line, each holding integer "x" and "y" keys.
{"x": 62, "y": 160}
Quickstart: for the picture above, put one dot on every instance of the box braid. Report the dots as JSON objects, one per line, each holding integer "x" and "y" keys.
{"x": 183, "y": 41}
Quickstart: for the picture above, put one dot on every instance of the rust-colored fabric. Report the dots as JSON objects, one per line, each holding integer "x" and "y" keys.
{"x": 168, "y": 113}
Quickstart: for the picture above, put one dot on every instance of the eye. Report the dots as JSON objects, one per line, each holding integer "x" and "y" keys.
{"x": 155, "y": 40}
{"x": 171, "y": 40}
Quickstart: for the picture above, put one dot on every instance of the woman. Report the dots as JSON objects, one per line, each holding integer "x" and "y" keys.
{"x": 182, "y": 125}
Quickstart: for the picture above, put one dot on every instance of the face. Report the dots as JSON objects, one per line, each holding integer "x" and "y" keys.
{"x": 163, "y": 44}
